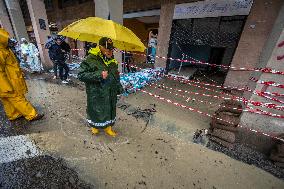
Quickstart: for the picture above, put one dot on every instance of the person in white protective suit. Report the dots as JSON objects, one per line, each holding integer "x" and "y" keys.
{"x": 31, "y": 56}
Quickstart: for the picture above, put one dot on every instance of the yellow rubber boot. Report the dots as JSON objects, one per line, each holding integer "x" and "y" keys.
{"x": 94, "y": 131}
{"x": 109, "y": 131}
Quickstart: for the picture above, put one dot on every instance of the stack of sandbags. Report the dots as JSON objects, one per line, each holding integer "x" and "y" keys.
{"x": 277, "y": 154}
{"x": 224, "y": 123}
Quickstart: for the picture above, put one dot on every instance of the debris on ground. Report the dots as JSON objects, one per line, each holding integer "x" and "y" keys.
{"x": 201, "y": 137}
{"x": 130, "y": 81}
{"x": 137, "y": 112}
{"x": 73, "y": 75}
{"x": 74, "y": 66}
{"x": 52, "y": 173}
{"x": 137, "y": 80}
{"x": 123, "y": 106}
{"x": 238, "y": 152}
{"x": 144, "y": 114}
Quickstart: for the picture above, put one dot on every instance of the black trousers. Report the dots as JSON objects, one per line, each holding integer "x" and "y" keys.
{"x": 63, "y": 70}
{"x": 55, "y": 68}
{"x": 126, "y": 67}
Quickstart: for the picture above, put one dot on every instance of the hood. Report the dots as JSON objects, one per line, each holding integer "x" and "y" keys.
{"x": 97, "y": 52}
{"x": 4, "y": 36}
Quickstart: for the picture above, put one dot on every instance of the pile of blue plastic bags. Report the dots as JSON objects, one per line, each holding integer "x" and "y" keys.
{"x": 137, "y": 80}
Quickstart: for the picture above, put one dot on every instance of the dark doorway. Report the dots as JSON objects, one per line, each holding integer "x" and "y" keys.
{"x": 216, "y": 56}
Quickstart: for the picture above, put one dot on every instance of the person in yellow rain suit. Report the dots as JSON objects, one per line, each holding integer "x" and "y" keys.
{"x": 12, "y": 84}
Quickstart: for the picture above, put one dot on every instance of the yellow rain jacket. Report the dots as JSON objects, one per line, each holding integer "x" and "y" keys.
{"x": 12, "y": 82}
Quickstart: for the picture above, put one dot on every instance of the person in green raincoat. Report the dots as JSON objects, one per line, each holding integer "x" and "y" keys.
{"x": 99, "y": 72}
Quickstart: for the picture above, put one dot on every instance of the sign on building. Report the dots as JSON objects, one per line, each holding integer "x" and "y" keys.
{"x": 42, "y": 24}
{"x": 212, "y": 8}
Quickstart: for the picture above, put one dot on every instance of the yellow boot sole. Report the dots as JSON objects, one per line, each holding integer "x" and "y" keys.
{"x": 94, "y": 131}
{"x": 110, "y": 132}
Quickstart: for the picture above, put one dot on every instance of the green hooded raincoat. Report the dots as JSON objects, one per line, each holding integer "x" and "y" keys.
{"x": 101, "y": 93}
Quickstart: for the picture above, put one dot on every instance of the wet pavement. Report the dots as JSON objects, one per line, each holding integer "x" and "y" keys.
{"x": 153, "y": 148}
{"x": 249, "y": 156}
{"x": 22, "y": 165}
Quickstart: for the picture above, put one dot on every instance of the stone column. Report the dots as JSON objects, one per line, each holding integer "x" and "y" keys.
{"x": 116, "y": 11}
{"x": 109, "y": 9}
{"x": 165, "y": 26}
{"x": 253, "y": 39}
{"x": 102, "y": 8}
{"x": 17, "y": 19}
{"x": 5, "y": 20}
{"x": 113, "y": 10}
{"x": 39, "y": 17}
{"x": 267, "y": 124}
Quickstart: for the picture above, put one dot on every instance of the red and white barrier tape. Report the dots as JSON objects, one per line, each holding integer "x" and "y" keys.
{"x": 261, "y": 94}
{"x": 280, "y": 57}
{"x": 180, "y": 105}
{"x": 199, "y": 86}
{"x": 262, "y": 112}
{"x": 195, "y": 61}
{"x": 239, "y": 99}
{"x": 268, "y": 97}
{"x": 268, "y": 83}
{"x": 272, "y": 93}
{"x": 228, "y": 87}
{"x": 77, "y": 49}
{"x": 281, "y": 44}
{"x": 250, "y": 110}
{"x": 206, "y": 114}
{"x": 78, "y": 57}
{"x": 200, "y": 112}
{"x": 268, "y": 105}
{"x": 207, "y": 77}
{"x": 222, "y": 87}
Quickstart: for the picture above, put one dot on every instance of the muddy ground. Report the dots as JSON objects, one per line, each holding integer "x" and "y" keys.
{"x": 42, "y": 171}
{"x": 159, "y": 154}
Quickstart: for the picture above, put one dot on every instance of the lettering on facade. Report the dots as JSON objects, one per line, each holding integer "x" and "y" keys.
{"x": 213, "y": 8}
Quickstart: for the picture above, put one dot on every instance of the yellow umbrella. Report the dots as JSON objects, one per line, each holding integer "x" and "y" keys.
{"x": 93, "y": 28}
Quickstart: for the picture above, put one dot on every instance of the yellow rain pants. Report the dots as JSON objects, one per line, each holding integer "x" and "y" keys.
{"x": 12, "y": 83}
{"x": 18, "y": 106}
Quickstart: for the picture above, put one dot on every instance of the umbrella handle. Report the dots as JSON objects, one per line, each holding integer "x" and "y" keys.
{"x": 123, "y": 66}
